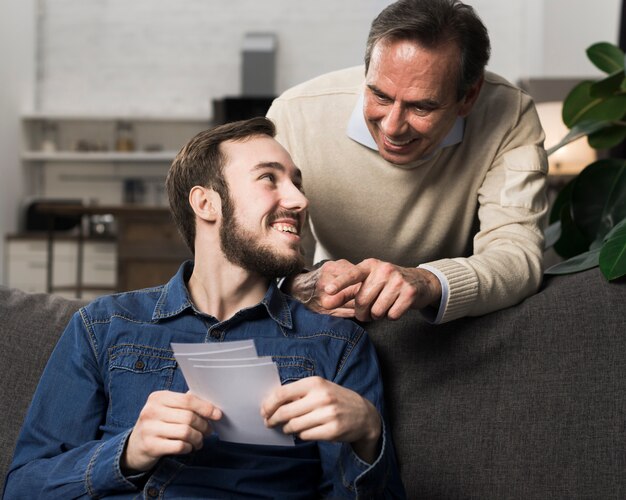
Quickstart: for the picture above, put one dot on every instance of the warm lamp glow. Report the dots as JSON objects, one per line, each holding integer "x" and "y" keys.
{"x": 572, "y": 158}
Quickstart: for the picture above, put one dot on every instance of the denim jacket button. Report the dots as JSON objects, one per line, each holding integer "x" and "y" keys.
{"x": 140, "y": 365}
{"x": 216, "y": 334}
{"x": 153, "y": 492}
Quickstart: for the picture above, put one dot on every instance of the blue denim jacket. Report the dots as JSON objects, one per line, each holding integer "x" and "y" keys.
{"x": 116, "y": 351}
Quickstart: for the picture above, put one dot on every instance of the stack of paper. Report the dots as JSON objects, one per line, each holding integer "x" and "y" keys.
{"x": 235, "y": 379}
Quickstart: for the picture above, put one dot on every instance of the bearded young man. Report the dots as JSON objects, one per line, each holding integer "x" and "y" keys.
{"x": 112, "y": 416}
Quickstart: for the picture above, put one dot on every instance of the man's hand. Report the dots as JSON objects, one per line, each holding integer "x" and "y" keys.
{"x": 387, "y": 290}
{"x": 170, "y": 423}
{"x": 317, "y": 409}
{"x": 308, "y": 288}
{"x": 370, "y": 290}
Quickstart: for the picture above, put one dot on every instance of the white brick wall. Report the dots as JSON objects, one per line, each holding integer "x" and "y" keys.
{"x": 174, "y": 56}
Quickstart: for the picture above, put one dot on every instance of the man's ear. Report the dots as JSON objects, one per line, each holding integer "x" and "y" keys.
{"x": 205, "y": 203}
{"x": 467, "y": 103}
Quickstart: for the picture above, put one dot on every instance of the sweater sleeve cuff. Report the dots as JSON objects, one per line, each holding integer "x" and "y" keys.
{"x": 462, "y": 288}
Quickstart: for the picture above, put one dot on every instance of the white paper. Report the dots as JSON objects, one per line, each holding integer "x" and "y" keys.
{"x": 221, "y": 350}
{"x": 236, "y": 380}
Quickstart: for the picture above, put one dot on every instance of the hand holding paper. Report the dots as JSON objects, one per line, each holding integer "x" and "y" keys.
{"x": 319, "y": 410}
{"x": 232, "y": 377}
{"x": 170, "y": 423}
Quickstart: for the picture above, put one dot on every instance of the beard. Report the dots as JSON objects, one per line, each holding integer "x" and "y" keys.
{"x": 241, "y": 248}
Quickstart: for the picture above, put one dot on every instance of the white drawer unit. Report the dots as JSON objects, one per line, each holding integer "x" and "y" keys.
{"x": 27, "y": 261}
{"x": 100, "y": 263}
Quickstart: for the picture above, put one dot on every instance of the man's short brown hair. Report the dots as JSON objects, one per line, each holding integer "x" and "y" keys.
{"x": 201, "y": 163}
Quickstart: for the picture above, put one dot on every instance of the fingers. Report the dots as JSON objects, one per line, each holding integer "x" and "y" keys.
{"x": 386, "y": 292}
{"x": 343, "y": 312}
{"x": 372, "y": 289}
{"x": 353, "y": 275}
{"x": 339, "y": 312}
{"x": 177, "y": 408}
{"x": 317, "y": 409}
{"x": 172, "y": 438}
{"x": 169, "y": 423}
{"x": 331, "y": 304}
{"x": 317, "y": 425}
{"x": 309, "y": 289}
{"x": 298, "y": 406}
{"x": 389, "y": 291}
{"x": 286, "y": 394}
{"x": 185, "y": 402}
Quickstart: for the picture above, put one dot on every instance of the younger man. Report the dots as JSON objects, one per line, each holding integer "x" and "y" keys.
{"x": 112, "y": 415}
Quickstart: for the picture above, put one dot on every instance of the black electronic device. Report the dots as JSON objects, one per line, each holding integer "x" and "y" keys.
{"x": 36, "y": 219}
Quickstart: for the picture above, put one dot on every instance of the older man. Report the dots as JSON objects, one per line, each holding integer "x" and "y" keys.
{"x": 426, "y": 174}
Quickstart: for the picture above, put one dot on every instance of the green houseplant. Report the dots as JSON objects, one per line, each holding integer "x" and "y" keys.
{"x": 588, "y": 218}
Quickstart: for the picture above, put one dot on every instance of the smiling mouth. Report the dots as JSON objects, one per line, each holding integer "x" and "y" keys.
{"x": 285, "y": 228}
{"x": 397, "y": 144}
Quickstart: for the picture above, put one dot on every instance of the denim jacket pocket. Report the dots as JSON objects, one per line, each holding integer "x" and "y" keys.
{"x": 134, "y": 373}
{"x": 292, "y": 368}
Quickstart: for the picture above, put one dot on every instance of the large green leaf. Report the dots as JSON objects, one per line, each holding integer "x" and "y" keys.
{"x": 563, "y": 198}
{"x": 577, "y": 102}
{"x": 613, "y": 253}
{"x": 599, "y": 198}
{"x": 579, "y": 106}
{"x": 608, "y": 137}
{"x": 572, "y": 241}
{"x": 609, "y": 86}
{"x": 552, "y": 235}
{"x": 580, "y": 262}
{"x": 606, "y": 57}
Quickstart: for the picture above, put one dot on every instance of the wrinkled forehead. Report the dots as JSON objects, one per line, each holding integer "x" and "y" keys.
{"x": 406, "y": 63}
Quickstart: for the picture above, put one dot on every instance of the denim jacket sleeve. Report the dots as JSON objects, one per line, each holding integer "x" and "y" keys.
{"x": 61, "y": 452}
{"x": 350, "y": 476}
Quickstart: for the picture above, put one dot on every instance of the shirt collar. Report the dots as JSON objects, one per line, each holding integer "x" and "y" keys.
{"x": 358, "y": 131}
{"x": 174, "y": 299}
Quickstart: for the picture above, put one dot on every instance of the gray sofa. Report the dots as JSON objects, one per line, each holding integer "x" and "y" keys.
{"x": 524, "y": 403}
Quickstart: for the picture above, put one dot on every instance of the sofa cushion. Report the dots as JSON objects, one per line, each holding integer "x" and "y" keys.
{"x": 527, "y": 402}
{"x": 31, "y": 325}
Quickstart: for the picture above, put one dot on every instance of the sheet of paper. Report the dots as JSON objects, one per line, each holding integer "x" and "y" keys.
{"x": 223, "y": 350}
{"x": 236, "y": 380}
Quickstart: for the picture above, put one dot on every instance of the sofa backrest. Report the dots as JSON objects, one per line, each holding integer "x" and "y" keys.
{"x": 30, "y": 325}
{"x": 528, "y": 402}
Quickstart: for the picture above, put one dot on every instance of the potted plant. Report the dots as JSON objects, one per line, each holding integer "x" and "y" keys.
{"x": 588, "y": 218}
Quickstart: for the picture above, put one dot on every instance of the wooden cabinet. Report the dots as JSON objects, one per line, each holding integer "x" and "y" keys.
{"x": 150, "y": 249}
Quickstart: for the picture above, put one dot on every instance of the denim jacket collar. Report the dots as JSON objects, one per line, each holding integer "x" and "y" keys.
{"x": 174, "y": 299}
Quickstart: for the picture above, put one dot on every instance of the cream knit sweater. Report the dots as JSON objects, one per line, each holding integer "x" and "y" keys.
{"x": 474, "y": 211}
